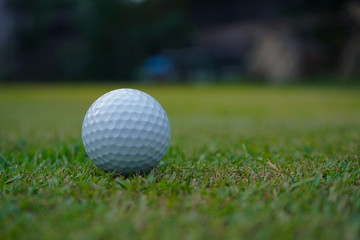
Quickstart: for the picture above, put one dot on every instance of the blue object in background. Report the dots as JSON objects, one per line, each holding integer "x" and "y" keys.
{"x": 158, "y": 67}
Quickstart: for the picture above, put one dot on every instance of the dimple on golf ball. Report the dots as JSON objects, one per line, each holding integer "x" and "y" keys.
{"x": 126, "y": 130}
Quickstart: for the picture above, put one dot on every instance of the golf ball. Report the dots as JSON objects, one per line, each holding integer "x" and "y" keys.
{"x": 126, "y": 130}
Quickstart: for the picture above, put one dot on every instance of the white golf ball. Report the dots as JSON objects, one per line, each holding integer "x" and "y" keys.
{"x": 126, "y": 130}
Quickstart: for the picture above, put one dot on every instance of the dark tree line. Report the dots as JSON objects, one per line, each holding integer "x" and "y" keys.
{"x": 90, "y": 39}
{"x": 109, "y": 39}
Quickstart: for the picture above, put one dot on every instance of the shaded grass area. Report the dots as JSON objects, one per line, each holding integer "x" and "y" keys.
{"x": 244, "y": 162}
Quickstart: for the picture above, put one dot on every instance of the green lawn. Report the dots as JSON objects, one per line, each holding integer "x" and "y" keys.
{"x": 244, "y": 162}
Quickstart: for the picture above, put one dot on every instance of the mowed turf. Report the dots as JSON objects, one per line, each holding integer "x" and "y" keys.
{"x": 244, "y": 162}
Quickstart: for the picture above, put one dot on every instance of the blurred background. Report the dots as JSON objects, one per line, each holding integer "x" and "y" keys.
{"x": 273, "y": 41}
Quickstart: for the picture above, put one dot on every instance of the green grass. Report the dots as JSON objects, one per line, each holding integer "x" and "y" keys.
{"x": 244, "y": 163}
